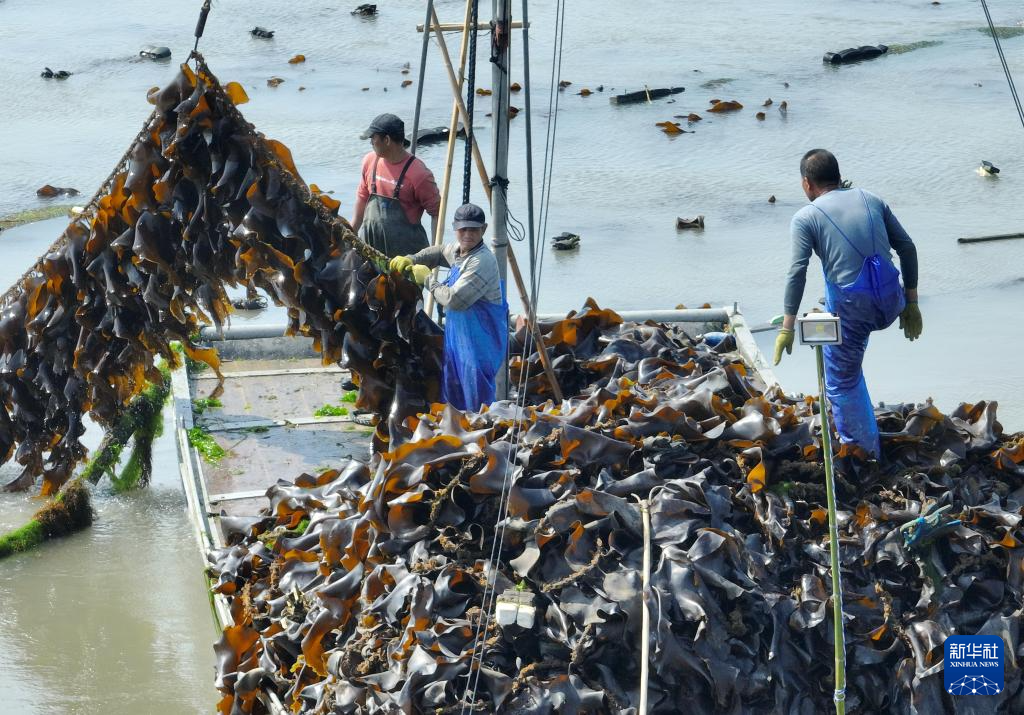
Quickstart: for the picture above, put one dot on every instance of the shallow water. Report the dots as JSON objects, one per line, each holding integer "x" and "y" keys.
{"x": 116, "y": 618}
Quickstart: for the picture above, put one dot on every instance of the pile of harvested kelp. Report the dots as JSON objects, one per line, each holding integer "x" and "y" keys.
{"x": 200, "y": 202}
{"x": 359, "y": 589}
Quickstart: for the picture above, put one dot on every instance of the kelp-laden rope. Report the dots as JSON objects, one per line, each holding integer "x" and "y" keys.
{"x": 142, "y": 421}
{"x": 341, "y": 228}
{"x": 68, "y": 512}
{"x": 87, "y": 214}
{"x": 71, "y": 510}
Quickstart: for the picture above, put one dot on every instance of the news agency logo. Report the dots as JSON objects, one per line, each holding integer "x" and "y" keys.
{"x": 973, "y": 665}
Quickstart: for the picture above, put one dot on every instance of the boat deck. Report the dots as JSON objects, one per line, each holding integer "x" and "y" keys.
{"x": 266, "y": 426}
{"x": 268, "y": 429}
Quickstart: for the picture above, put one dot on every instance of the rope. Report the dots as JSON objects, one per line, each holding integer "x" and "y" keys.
{"x": 467, "y": 169}
{"x": 549, "y": 142}
{"x": 423, "y": 73}
{"x": 489, "y": 595}
{"x": 527, "y": 93}
{"x": 1002, "y": 60}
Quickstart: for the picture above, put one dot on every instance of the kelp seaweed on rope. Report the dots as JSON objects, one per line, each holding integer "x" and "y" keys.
{"x": 200, "y": 201}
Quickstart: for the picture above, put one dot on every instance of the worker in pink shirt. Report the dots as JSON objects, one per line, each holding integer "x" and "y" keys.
{"x": 394, "y": 191}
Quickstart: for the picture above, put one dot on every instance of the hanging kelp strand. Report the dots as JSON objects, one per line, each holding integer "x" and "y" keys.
{"x": 199, "y": 203}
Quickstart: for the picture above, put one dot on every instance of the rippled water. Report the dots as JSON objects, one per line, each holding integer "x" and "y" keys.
{"x": 105, "y": 620}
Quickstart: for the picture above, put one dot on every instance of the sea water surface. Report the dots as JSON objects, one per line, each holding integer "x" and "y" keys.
{"x": 116, "y": 619}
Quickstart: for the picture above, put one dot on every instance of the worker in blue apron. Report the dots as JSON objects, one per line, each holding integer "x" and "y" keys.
{"x": 476, "y": 313}
{"x": 852, "y": 231}
{"x": 395, "y": 190}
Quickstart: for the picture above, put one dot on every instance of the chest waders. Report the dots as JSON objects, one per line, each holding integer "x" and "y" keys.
{"x": 385, "y": 225}
{"x": 475, "y": 341}
{"x": 871, "y": 302}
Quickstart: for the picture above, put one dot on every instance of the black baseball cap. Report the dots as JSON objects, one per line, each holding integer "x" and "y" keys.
{"x": 388, "y": 124}
{"x": 469, "y": 216}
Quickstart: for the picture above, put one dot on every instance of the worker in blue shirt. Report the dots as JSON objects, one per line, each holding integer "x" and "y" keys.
{"x": 852, "y": 231}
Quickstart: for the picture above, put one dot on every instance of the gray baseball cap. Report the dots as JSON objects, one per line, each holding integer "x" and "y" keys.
{"x": 469, "y": 216}
{"x": 388, "y": 124}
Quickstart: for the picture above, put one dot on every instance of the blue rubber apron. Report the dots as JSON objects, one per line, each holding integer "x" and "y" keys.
{"x": 871, "y": 302}
{"x": 475, "y": 341}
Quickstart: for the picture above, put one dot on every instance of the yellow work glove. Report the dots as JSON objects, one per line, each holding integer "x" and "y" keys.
{"x": 784, "y": 342}
{"x": 400, "y": 264}
{"x": 911, "y": 322}
{"x": 420, "y": 273}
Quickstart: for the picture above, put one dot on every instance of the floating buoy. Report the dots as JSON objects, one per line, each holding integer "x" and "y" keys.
{"x": 854, "y": 54}
{"x": 696, "y": 222}
{"x": 155, "y": 52}
{"x": 254, "y": 303}
{"x": 48, "y": 73}
{"x": 988, "y": 168}
{"x": 565, "y": 241}
{"x": 48, "y": 192}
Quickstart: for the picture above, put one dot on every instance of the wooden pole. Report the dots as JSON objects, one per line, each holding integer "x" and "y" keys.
{"x": 513, "y": 264}
{"x": 457, "y": 91}
{"x": 453, "y": 127}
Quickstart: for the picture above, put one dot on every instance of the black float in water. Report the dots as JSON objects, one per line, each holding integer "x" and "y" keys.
{"x": 155, "y": 52}
{"x": 643, "y": 95}
{"x": 854, "y": 54}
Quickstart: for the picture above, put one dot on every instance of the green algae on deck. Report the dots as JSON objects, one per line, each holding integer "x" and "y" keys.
{"x": 32, "y": 215}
